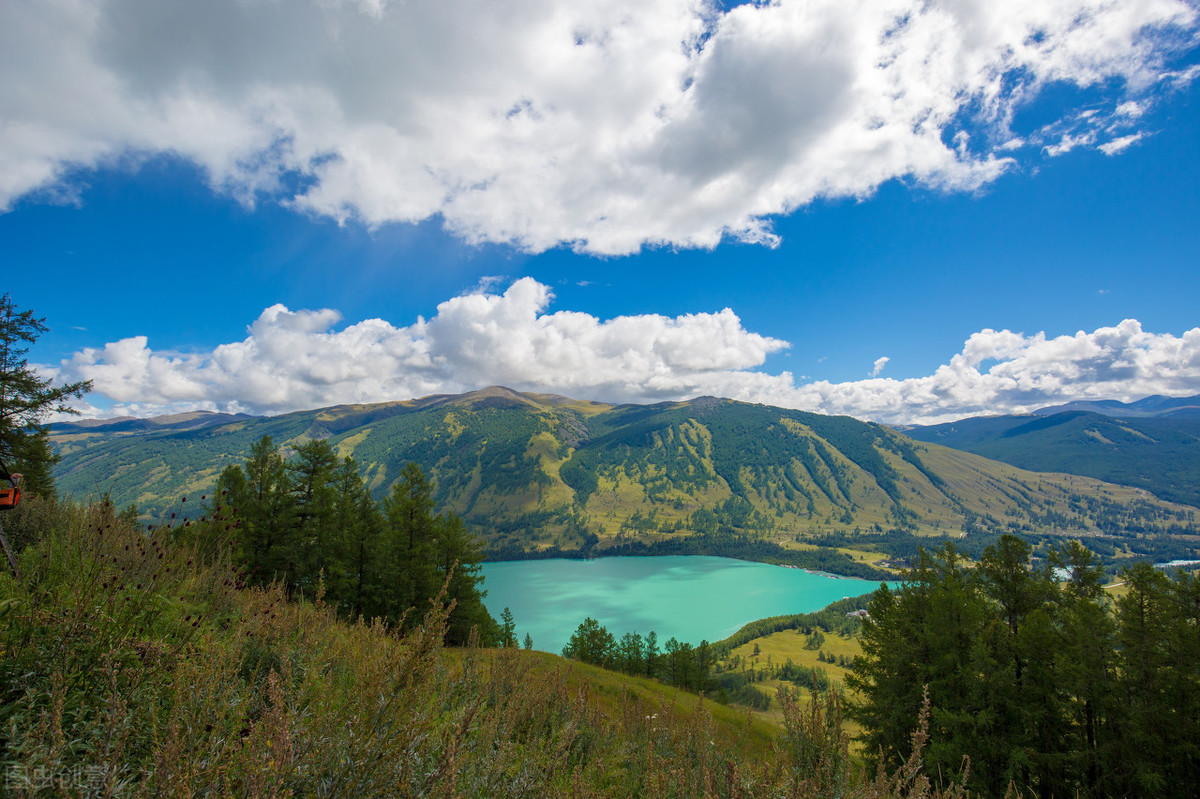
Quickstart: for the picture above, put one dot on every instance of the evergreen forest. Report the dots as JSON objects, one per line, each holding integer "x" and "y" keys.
{"x": 1034, "y": 678}
{"x": 310, "y": 524}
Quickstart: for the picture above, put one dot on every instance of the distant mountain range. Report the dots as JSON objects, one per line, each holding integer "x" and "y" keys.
{"x": 1153, "y": 444}
{"x": 535, "y": 471}
{"x": 1156, "y": 406}
{"x": 195, "y": 420}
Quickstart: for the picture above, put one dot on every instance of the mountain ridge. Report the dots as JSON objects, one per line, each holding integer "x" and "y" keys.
{"x": 1160, "y": 454}
{"x": 544, "y": 473}
{"x": 1153, "y": 406}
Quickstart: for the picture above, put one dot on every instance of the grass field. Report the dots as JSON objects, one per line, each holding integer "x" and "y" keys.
{"x": 615, "y": 694}
{"x": 868, "y": 556}
{"x": 778, "y": 648}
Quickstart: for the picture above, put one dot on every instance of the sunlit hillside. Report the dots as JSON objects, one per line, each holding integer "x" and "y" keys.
{"x": 538, "y": 472}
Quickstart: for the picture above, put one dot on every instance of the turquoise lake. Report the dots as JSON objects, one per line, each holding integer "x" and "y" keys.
{"x": 688, "y": 597}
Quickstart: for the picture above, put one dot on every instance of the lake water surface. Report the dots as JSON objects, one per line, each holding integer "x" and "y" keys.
{"x": 689, "y": 597}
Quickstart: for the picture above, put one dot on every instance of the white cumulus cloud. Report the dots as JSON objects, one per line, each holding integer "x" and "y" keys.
{"x": 1026, "y": 372}
{"x": 605, "y": 125}
{"x": 878, "y": 365}
{"x": 293, "y": 360}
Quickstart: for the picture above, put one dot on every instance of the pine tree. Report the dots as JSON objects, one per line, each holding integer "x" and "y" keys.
{"x": 508, "y": 628}
{"x": 26, "y": 398}
{"x": 1183, "y": 685}
{"x": 407, "y": 546}
{"x": 1023, "y": 732}
{"x": 923, "y": 635}
{"x": 1084, "y": 655}
{"x": 33, "y": 459}
{"x": 350, "y": 571}
{"x": 592, "y": 643}
{"x": 418, "y": 553}
{"x": 458, "y": 557}
{"x": 257, "y": 495}
{"x": 651, "y": 650}
{"x": 312, "y": 494}
{"x": 1038, "y": 685}
{"x": 631, "y": 657}
{"x": 1148, "y": 722}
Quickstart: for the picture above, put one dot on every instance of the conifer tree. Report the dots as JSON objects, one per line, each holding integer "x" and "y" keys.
{"x": 314, "y": 515}
{"x": 258, "y": 498}
{"x": 33, "y": 459}
{"x": 1149, "y": 724}
{"x": 1038, "y": 684}
{"x": 591, "y": 642}
{"x": 1084, "y": 655}
{"x": 313, "y": 497}
{"x": 631, "y": 654}
{"x": 407, "y": 555}
{"x": 357, "y": 525}
{"x": 26, "y": 399}
{"x": 1017, "y": 684}
{"x": 651, "y": 650}
{"x": 508, "y": 628}
{"x": 457, "y": 558}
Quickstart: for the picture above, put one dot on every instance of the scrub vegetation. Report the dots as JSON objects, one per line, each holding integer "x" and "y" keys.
{"x": 137, "y": 663}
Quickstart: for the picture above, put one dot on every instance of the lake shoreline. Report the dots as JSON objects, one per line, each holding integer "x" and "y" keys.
{"x": 604, "y": 556}
{"x": 822, "y": 561}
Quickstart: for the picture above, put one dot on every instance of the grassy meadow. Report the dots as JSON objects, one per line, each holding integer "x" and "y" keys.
{"x": 780, "y": 647}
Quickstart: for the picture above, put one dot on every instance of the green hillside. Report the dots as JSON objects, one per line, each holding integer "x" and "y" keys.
{"x": 1159, "y": 455}
{"x": 131, "y": 666}
{"x": 539, "y": 473}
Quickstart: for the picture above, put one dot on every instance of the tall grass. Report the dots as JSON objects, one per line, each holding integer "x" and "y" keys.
{"x": 140, "y": 664}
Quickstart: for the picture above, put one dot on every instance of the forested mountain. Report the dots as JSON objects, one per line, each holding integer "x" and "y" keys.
{"x": 1159, "y": 454}
{"x": 540, "y": 472}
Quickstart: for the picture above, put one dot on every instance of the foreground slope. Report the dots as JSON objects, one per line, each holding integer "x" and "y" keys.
{"x": 131, "y": 666}
{"x": 536, "y": 472}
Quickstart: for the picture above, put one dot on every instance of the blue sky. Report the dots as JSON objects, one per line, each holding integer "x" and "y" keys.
{"x": 938, "y": 231}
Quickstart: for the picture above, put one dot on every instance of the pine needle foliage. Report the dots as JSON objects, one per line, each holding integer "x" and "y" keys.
{"x": 26, "y": 398}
